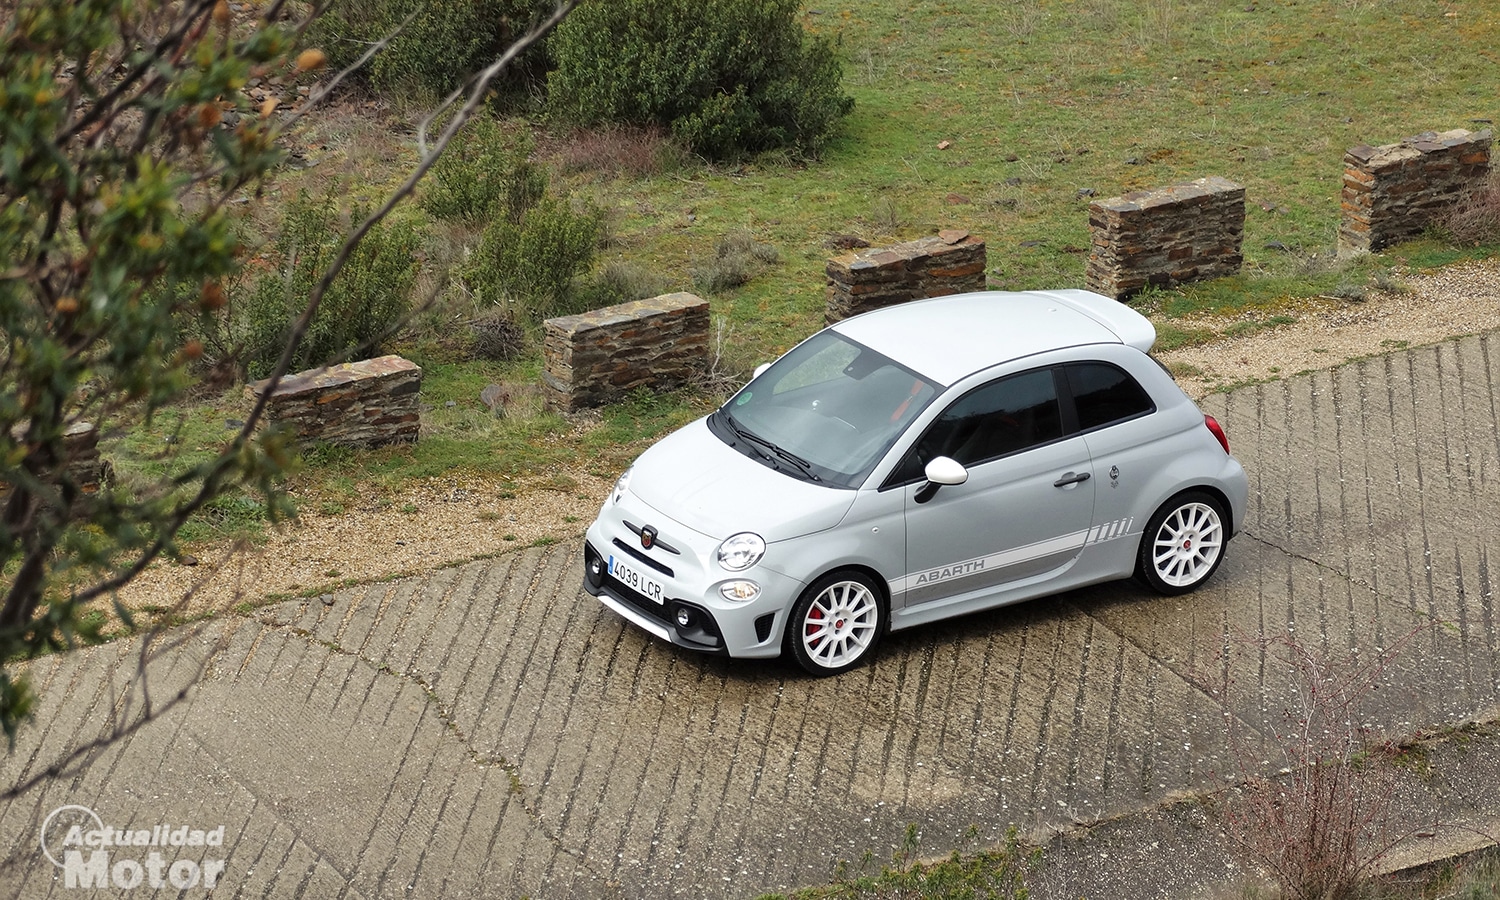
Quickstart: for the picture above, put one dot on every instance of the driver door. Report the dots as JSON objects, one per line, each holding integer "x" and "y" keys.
{"x": 1024, "y": 512}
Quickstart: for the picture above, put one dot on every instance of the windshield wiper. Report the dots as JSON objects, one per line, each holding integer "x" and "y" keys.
{"x": 749, "y": 437}
{"x": 802, "y": 465}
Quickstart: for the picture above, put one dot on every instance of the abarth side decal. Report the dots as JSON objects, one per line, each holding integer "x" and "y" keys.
{"x": 1078, "y": 539}
{"x": 990, "y": 563}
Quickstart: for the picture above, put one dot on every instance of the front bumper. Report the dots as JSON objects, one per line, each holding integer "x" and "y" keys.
{"x": 693, "y": 613}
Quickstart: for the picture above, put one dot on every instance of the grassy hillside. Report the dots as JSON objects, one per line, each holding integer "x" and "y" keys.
{"x": 1040, "y": 101}
{"x": 997, "y": 118}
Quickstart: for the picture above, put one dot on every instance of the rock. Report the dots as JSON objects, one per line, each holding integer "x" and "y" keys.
{"x": 494, "y": 396}
{"x": 845, "y": 242}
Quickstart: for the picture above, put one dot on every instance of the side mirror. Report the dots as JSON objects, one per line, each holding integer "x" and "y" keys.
{"x": 760, "y": 370}
{"x": 940, "y": 471}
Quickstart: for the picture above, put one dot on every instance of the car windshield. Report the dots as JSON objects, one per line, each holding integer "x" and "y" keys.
{"x": 825, "y": 412}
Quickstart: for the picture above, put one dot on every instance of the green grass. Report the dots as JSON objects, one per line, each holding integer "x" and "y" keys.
{"x": 1039, "y": 100}
{"x": 1064, "y": 96}
{"x": 998, "y": 873}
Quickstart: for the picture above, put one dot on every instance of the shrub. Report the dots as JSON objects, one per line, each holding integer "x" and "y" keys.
{"x": 497, "y": 336}
{"x": 1323, "y": 824}
{"x": 483, "y": 175}
{"x": 1475, "y": 221}
{"x": 737, "y": 258}
{"x": 368, "y": 301}
{"x": 439, "y": 49}
{"x": 728, "y": 77}
{"x": 620, "y": 282}
{"x": 529, "y": 265}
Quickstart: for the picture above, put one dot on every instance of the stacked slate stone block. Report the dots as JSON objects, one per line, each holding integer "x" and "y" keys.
{"x": 86, "y": 471}
{"x": 1393, "y": 192}
{"x": 360, "y": 404}
{"x": 81, "y": 449}
{"x": 1184, "y": 232}
{"x": 599, "y": 356}
{"x": 950, "y": 262}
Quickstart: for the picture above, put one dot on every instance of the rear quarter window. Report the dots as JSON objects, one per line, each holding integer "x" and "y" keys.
{"x": 1104, "y": 394}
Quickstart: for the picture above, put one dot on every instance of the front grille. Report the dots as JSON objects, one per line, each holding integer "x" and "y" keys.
{"x": 637, "y": 554}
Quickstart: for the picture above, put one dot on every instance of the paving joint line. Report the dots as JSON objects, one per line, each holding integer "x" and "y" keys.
{"x": 1346, "y": 577}
{"x": 445, "y": 715}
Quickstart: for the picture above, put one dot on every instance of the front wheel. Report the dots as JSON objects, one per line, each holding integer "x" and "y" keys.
{"x": 835, "y": 623}
{"x": 1183, "y": 544}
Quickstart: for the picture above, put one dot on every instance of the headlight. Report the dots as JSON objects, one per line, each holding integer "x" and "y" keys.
{"x": 741, "y": 551}
{"x": 621, "y": 484}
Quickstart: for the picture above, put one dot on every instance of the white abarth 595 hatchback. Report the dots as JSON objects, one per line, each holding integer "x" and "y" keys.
{"x": 914, "y": 463}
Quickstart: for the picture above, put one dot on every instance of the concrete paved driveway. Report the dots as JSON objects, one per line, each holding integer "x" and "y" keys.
{"x": 489, "y": 731}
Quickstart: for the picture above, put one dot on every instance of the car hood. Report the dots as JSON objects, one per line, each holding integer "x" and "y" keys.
{"x": 710, "y": 487}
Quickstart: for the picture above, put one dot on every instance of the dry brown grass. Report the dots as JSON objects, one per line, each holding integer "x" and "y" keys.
{"x": 1476, "y": 220}
{"x": 622, "y": 151}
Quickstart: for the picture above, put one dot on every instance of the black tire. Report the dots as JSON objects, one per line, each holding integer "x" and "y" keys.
{"x": 1183, "y": 544}
{"x": 836, "y": 623}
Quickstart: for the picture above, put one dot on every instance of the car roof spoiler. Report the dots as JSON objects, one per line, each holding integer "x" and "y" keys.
{"x": 1132, "y": 328}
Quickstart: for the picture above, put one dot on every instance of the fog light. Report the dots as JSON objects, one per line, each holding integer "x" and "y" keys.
{"x": 684, "y": 617}
{"x": 593, "y": 573}
{"x": 739, "y": 591}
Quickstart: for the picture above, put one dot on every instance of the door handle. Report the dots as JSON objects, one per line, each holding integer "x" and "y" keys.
{"x": 1071, "y": 478}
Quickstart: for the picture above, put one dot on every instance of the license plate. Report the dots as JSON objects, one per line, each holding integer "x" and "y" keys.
{"x": 633, "y": 579}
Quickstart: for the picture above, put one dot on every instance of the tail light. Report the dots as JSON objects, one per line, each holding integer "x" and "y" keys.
{"x": 1218, "y": 430}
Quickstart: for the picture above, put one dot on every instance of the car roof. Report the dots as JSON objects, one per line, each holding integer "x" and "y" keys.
{"x": 947, "y": 338}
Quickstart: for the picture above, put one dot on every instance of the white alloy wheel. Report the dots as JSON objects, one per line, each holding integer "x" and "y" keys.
{"x": 835, "y": 623}
{"x": 1183, "y": 544}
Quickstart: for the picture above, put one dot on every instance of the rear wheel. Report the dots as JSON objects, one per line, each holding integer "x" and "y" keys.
{"x": 835, "y": 623}
{"x": 1183, "y": 544}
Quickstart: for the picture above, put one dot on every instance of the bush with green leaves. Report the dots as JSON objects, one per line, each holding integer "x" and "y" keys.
{"x": 365, "y": 305}
{"x": 442, "y": 45}
{"x": 485, "y": 174}
{"x": 527, "y": 265}
{"x": 728, "y": 77}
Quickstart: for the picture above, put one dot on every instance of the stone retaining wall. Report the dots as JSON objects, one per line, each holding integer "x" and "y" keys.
{"x": 360, "y": 404}
{"x": 599, "y": 356}
{"x": 1185, "y": 232}
{"x": 80, "y": 451}
{"x": 81, "y": 446}
{"x": 1393, "y": 192}
{"x": 950, "y": 262}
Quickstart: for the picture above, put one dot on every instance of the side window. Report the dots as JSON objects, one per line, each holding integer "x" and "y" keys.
{"x": 998, "y": 419}
{"x": 1104, "y": 394}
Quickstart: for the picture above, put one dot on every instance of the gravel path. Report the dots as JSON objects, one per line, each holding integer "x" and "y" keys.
{"x": 443, "y": 521}
{"x": 1451, "y": 302}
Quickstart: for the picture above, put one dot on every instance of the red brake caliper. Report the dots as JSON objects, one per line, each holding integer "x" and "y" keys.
{"x": 814, "y": 627}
